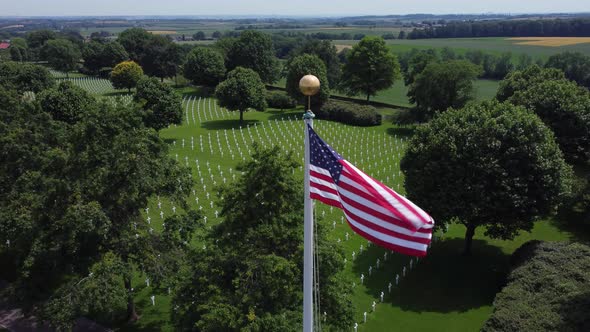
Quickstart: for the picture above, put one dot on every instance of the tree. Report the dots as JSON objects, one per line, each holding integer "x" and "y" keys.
{"x": 575, "y": 65}
{"x": 417, "y": 62}
{"x": 92, "y": 54}
{"x": 249, "y": 279}
{"x": 204, "y": 66}
{"x": 126, "y": 75}
{"x": 489, "y": 164}
{"x": 200, "y": 35}
{"x": 216, "y": 35}
{"x": 559, "y": 296}
{"x": 134, "y": 41}
{"x": 23, "y": 77}
{"x": 66, "y": 102}
{"x": 326, "y": 51}
{"x": 113, "y": 53}
{"x": 521, "y": 80}
{"x": 162, "y": 106}
{"x": 565, "y": 108}
{"x": 370, "y": 68}
{"x": 18, "y": 53}
{"x": 443, "y": 85}
{"x": 254, "y": 50}
{"x": 160, "y": 57}
{"x": 62, "y": 55}
{"x": 70, "y": 204}
{"x": 243, "y": 89}
{"x": 300, "y": 66}
{"x": 36, "y": 39}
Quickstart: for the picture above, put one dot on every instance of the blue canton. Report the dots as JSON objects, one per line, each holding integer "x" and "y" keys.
{"x": 322, "y": 155}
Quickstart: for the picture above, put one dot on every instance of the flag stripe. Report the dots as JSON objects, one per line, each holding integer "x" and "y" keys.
{"x": 389, "y": 245}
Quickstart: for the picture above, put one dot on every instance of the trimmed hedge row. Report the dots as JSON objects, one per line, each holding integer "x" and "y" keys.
{"x": 280, "y": 100}
{"x": 349, "y": 113}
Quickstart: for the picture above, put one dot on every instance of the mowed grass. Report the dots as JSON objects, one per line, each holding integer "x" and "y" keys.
{"x": 443, "y": 292}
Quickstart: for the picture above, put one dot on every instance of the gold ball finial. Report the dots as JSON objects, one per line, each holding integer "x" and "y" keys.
{"x": 309, "y": 85}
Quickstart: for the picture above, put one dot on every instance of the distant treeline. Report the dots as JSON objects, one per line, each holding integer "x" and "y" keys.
{"x": 579, "y": 27}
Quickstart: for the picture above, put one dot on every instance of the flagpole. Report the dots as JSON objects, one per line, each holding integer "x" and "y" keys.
{"x": 309, "y": 86}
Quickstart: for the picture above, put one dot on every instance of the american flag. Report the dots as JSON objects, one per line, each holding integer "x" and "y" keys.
{"x": 372, "y": 210}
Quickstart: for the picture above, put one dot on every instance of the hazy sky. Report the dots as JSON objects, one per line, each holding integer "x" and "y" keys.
{"x": 281, "y": 7}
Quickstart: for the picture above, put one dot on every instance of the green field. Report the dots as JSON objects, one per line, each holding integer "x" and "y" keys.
{"x": 492, "y": 45}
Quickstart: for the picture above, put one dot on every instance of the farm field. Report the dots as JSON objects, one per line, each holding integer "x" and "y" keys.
{"x": 458, "y": 297}
{"x": 492, "y": 45}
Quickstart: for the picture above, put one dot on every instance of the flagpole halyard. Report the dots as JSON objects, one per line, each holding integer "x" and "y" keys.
{"x": 309, "y": 86}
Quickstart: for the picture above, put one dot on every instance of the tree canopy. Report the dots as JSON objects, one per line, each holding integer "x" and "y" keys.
{"x": 300, "y": 66}
{"x": 126, "y": 74}
{"x": 326, "y": 51}
{"x": 370, "y": 67}
{"x": 254, "y": 50}
{"x": 489, "y": 164}
{"x": 249, "y": 275}
{"x": 24, "y": 77}
{"x": 204, "y": 66}
{"x": 575, "y": 65}
{"x": 61, "y": 54}
{"x": 547, "y": 290}
{"x": 442, "y": 85}
{"x": 66, "y": 102}
{"x": 243, "y": 89}
{"x": 160, "y": 103}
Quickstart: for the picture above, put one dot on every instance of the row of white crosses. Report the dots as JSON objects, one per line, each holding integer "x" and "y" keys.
{"x": 206, "y": 109}
{"x": 93, "y": 85}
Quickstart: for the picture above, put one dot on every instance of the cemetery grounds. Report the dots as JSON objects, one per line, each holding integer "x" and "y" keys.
{"x": 442, "y": 292}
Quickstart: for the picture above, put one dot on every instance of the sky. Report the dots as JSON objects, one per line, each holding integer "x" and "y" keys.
{"x": 281, "y": 7}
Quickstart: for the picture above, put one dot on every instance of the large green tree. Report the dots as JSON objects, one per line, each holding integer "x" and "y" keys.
{"x": 521, "y": 80}
{"x": 160, "y": 57}
{"x": 66, "y": 102}
{"x": 491, "y": 164}
{"x": 248, "y": 277}
{"x": 70, "y": 202}
{"x": 162, "y": 106}
{"x": 326, "y": 51}
{"x": 134, "y": 41}
{"x": 442, "y": 85}
{"x": 370, "y": 67}
{"x": 126, "y": 74}
{"x": 62, "y": 55}
{"x": 243, "y": 89}
{"x": 575, "y": 65}
{"x": 24, "y": 77}
{"x": 300, "y": 66}
{"x": 254, "y": 50}
{"x": 204, "y": 66}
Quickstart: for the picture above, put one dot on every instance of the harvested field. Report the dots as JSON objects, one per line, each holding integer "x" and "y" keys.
{"x": 162, "y": 32}
{"x": 550, "y": 41}
{"x": 340, "y": 47}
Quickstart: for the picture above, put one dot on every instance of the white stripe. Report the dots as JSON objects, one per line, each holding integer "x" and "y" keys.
{"x": 410, "y": 216}
{"x": 387, "y": 238}
{"x": 323, "y": 182}
{"x": 362, "y": 200}
{"x": 325, "y": 194}
{"x": 320, "y": 170}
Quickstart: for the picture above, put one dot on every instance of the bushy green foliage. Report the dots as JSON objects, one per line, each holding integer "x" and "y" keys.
{"x": 442, "y": 85}
{"x": 160, "y": 57}
{"x": 280, "y": 100}
{"x": 249, "y": 276}
{"x": 204, "y": 66}
{"x": 548, "y": 289}
{"x": 126, "y": 74}
{"x": 370, "y": 67}
{"x": 161, "y": 105}
{"x": 243, "y": 89}
{"x": 326, "y": 51}
{"x": 300, "y": 66}
{"x": 349, "y": 113}
{"x": 98, "y": 55}
{"x": 61, "y": 54}
{"x": 575, "y": 65}
{"x": 134, "y": 41}
{"x": 488, "y": 164}
{"x": 66, "y": 102}
{"x": 521, "y": 80}
{"x": 24, "y": 77}
{"x": 254, "y": 50}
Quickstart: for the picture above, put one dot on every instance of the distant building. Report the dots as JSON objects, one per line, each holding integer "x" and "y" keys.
{"x": 4, "y": 45}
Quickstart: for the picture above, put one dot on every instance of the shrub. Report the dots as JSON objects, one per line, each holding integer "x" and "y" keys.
{"x": 349, "y": 113}
{"x": 280, "y": 100}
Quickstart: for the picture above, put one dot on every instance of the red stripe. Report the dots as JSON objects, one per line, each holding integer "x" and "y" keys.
{"x": 386, "y": 231}
{"x": 324, "y": 177}
{"x": 387, "y": 245}
{"x": 326, "y": 200}
{"x": 403, "y": 201}
{"x": 323, "y": 188}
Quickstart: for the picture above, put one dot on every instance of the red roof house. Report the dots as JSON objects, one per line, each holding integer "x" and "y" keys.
{"x": 4, "y": 46}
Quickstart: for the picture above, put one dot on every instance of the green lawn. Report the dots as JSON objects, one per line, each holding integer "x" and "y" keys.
{"x": 444, "y": 292}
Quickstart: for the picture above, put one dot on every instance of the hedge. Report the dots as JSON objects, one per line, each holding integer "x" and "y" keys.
{"x": 349, "y": 113}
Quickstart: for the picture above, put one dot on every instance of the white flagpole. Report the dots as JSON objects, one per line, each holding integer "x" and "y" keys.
{"x": 309, "y": 86}
{"x": 307, "y": 241}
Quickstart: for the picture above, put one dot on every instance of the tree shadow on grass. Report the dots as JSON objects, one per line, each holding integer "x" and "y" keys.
{"x": 401, "y": 132}
{"x": 444, "y": 281}
{"x": 227, "y": 124}
{"x": 285, "y": 114}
